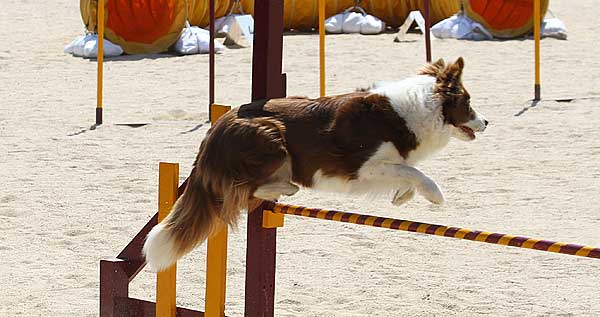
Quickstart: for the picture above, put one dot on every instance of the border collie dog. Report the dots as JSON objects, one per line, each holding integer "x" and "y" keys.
{"x": 362, "y": 142}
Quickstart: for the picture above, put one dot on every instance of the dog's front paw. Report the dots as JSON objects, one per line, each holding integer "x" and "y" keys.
{"x": 432, "y": 192}
{"x": 402, "y": 197}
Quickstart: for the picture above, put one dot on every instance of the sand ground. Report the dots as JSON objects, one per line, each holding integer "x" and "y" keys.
{"x": 70, "y": 196}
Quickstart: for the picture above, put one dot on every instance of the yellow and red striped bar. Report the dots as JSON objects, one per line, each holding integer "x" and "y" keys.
{"x": 438, "y": 230}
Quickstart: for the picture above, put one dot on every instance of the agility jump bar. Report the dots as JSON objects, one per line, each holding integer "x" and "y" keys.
{"x": 439, "y": 230}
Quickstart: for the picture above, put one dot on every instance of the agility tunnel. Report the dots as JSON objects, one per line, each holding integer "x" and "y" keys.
{"x": 504, "y": 18}
{"x": 304, "y": 14}
{"x": 151, "y": 26}
{"x": 148, "y": 26}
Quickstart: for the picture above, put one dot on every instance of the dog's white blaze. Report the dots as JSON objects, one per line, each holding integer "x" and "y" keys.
{"x": 413, "y": 100}
{"x": 159, "y": 249}
{"x": 478, "y": 123}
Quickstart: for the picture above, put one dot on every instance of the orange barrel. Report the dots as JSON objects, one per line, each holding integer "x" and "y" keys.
{"x": 138, "y": 26}
{"x": 198, "y": 11}
{"x": 504, "y": 18}
{"x": 304, "y": 14}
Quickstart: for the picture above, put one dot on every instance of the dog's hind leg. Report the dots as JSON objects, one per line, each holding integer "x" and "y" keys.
{"x": 278, "y": 184}
{"x": 272, "y": 191}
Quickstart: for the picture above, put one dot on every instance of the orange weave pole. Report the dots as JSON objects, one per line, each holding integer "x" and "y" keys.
{"x": 439, "y": 230}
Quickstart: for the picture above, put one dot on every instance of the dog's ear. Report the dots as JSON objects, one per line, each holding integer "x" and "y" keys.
{"x": 433, "y": 69}
{"x": 440, "y": 63}
{"x": 449, "y": 82}
{"x": 454, "y": 70}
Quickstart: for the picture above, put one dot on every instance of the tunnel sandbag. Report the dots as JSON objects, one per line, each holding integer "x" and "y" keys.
{"x": 504, "y": 18}
{"x": 138, "y": 26}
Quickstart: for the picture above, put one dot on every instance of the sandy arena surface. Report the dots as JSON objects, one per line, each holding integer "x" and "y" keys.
{"x": 70, "y": 196}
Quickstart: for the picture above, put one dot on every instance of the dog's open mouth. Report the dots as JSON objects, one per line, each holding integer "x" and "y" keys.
{"x": 467, "y": 131}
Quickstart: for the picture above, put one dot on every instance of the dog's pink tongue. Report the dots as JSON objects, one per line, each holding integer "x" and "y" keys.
{"x": 468, "y": 131}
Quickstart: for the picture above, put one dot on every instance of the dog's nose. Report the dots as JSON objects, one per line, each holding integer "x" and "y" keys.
{"x": 486, "y": 122}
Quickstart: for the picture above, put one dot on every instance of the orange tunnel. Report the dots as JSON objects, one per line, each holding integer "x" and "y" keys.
{"x": 504, "y": 18}
{"x": 148, "y": 26}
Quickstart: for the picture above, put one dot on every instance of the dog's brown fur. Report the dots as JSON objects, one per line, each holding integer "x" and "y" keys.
{"x": 249, "y": 144}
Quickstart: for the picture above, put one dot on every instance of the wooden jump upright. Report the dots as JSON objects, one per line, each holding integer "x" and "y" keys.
{"x": 117, "y": 273}
{"x": 267, "y": 82}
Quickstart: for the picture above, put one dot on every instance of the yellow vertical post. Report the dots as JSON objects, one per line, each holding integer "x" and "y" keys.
{"x": 537, "y": 22}
{"x": 322, "y": 47}
{"x": 168, "y": 179}
{"x": 216, "y": 255}
{"x": 100, "y": 59}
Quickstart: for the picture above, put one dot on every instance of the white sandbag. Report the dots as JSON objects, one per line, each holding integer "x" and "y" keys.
{"x": 460, "y": 27}
{"x": 372, "y": 25}
{"x": 554, "y": 27}
{"x": 195, "y": 40}
{"x": 333, "y": 24}
{"x": 352, "y": 22}
{"x": 87, "y": 46}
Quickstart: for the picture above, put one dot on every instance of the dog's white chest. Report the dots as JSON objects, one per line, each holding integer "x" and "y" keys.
{"x": 428, "y": 146}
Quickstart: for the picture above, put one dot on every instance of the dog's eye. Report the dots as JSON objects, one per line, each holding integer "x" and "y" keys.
{"x": 471, "y": 113}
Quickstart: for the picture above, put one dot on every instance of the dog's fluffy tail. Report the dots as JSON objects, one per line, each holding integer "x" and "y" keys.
{"x": 235, "y": 158}
{"x": 196, "y": 215}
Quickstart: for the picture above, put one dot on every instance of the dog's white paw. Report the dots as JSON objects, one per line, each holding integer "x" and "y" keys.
{"x": 272, "y": 191}
{"x": 432, "y": 192}
{"x": 402, "y": 197}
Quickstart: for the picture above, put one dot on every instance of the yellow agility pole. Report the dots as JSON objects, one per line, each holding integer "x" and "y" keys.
{"x": 216, "y": 280}
{"x": 537, "y": 22}
{"x": 100, "y": 59}
{"x": 216, "y": 255}
{"x": 168, "y": 181}
{"x": 322, "y": 47}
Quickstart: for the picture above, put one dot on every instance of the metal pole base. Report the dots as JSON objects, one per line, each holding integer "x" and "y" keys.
{"x": 98, "y": 116}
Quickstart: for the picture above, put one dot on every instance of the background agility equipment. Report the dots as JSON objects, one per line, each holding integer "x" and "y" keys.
{"x": 505, "y": 18}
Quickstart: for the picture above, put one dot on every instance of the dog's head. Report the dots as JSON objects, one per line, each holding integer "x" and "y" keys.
{"x": 455, "y": 100}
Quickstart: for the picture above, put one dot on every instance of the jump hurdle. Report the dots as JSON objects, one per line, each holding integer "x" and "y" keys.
{"x": 270, "y": 216}
{"x": 116, "y": 274}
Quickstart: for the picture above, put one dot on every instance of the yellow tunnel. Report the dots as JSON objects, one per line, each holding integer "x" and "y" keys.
{"x": 304, "y": 14}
